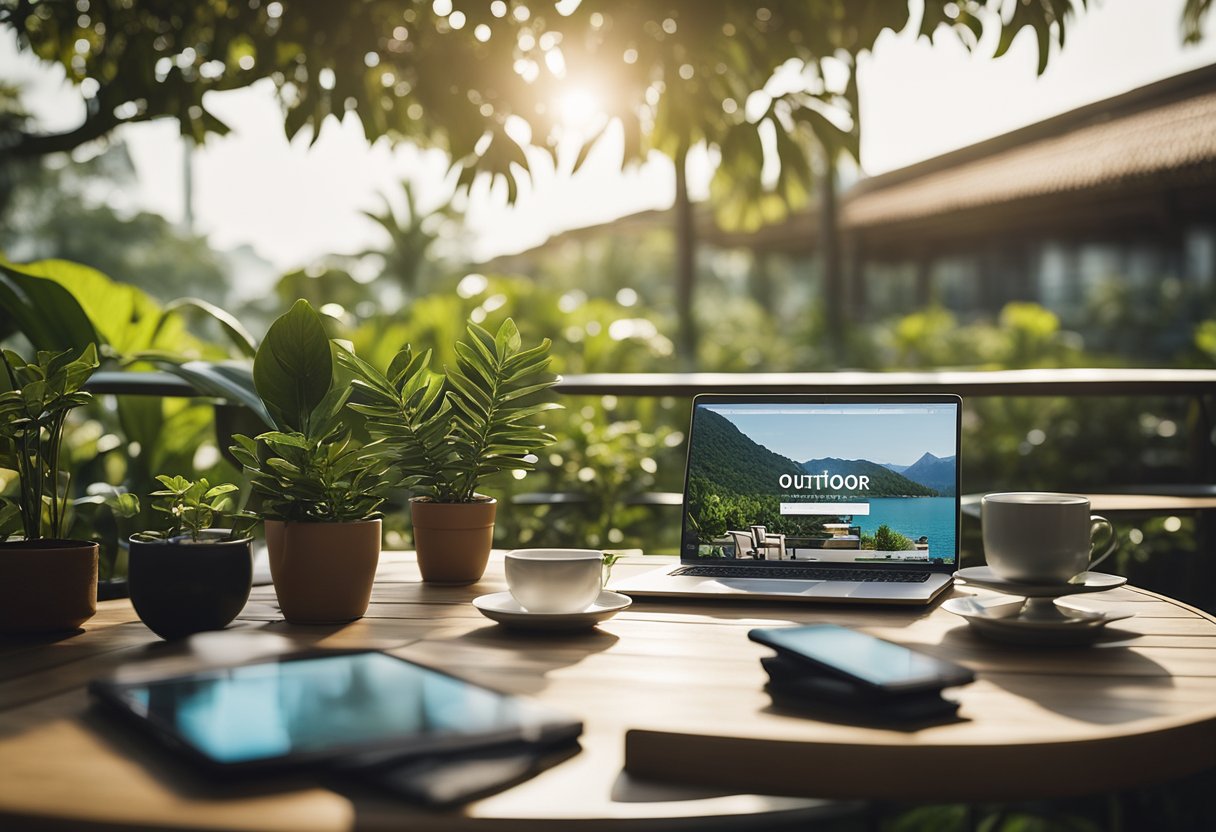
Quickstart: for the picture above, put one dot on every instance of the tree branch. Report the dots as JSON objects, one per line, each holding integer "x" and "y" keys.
{"x": 22, "y": 145}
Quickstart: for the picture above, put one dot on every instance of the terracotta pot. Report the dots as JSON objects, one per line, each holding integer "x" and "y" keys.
{"x": 323, "y": 572}
{"x": 181, "y": 588}
{"x": 47, "y": 586}
{"x": 453, "y": 539}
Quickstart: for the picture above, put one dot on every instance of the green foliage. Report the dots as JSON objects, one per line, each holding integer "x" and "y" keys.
{"x": 57, "y": 304}
{"x": 309, "y": 469}
{"x": 724, "y": 454}
{"x": 229, "y": 325}
{"x": 713, "y": 510}
{"x": 294, "y": 369}
{"x": 10, "y": 520}
{"x": 888, "y": 540}
{"x": 446, "y": 433}
{"x": 327, "y": 479}
{"x": 144, "y": 249}
{"x": 193, "y": 507}
{"x": 104, "y": 516}
{"x": 43, "y": 310}
{"x": 1205, "y": 339}
{"x": 1024, "y": 335}
{"x": 411, "y": 236}
{"x": 679, "y": 77}
{"x": 320, "y": 287}
{"x": 34, "y": 407}
{"x": 610, "y": 559}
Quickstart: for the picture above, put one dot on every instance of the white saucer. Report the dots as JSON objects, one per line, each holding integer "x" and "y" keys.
{"x": 503, "y": 608}
{"x": 1001, "y": 618}
{"x": 983, "y": 576}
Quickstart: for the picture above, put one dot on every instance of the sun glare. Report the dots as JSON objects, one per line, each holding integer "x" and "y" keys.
{"x": 580, "y": 108}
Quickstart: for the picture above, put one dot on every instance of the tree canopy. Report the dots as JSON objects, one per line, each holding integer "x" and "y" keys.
{"x": 485, "y": 80}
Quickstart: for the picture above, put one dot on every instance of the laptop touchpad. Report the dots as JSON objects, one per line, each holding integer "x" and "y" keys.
{"x": 763, "y": 585}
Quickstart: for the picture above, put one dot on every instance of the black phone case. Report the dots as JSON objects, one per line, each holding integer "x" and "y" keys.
{"x": 794, "y": 664}
{"x": 808, "y": 697}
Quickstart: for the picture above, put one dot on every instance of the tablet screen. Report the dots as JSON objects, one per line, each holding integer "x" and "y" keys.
{"x": 313, "y": 707}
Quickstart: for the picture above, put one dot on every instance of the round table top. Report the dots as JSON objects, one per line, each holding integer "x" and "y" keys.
{"x": 676, "y": 722}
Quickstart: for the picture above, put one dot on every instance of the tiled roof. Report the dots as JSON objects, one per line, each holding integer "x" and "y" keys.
{"x": 1161, "y": 136}
{"x": 1174, "y": 140}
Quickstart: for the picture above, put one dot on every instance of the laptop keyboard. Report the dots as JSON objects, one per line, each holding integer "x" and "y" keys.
{"x": 805, "y": 573}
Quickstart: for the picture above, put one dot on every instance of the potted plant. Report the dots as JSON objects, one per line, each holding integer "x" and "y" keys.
{"x": 105, "y": 515}
{"x": 445, "y": 433}
{"x": 190, "y": 576}
{"x": 317, "y": 490}
{"x": 47, "y": 584}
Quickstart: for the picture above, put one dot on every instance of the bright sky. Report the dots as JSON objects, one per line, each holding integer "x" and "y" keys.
{"x": 804, "y": 433}
{"x": 294, "y": 204}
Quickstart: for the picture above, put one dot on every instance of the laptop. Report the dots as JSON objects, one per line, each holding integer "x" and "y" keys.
{"x": 828, "y": 498}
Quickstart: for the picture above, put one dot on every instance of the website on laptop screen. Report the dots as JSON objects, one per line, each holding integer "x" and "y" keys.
{"x": 835, "y": 483}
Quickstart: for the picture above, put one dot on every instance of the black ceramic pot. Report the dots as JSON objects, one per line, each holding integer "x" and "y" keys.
{"x": 179, "y": 588}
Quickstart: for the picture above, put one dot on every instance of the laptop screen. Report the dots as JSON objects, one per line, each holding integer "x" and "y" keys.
{"x": 801, "y": 480}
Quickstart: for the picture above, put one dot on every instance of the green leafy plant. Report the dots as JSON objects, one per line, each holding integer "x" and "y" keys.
{"x": 445, "y": 433}
{"x": 888, "y": 540}
{"x": 326, "y": 479}
{"x": 104, "y": 515}
{"x": 33, "y": 411}
{"x": 309, "y": 468}
{"x": 195, "y": 506}
{"x": 610, "y": 559}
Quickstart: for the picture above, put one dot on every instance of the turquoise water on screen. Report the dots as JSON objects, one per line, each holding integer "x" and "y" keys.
{"x": 914, "y": 517}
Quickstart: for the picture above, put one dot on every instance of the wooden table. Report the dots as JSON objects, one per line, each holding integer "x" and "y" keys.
{"x": 1136, "y": 709}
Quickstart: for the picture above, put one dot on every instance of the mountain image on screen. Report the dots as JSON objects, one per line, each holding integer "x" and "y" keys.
{"x": 732, "y": 462}
{"x": 883, "y": 481}
{"x": 936, "y": 472}
{"x": 725, "y": 456}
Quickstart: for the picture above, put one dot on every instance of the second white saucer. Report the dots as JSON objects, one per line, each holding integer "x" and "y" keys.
{"x": 1000, "y": 619}
{"x": 503, "y": 608}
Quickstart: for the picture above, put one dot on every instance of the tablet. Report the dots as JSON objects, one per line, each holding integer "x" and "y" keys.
{"x": 330, "y": 707}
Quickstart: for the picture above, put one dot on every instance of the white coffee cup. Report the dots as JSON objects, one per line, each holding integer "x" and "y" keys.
{"x": 554, "y": 580}
{"x": 1040, "y": 537}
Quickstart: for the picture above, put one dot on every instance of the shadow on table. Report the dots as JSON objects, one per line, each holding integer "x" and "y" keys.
{"x": 1120, "y": 685}
{"x": 806, "y": 815}
{"x": 21, "y": 640}
{"x": 179, "y": 776}
{"x": 764, "y": 611}
{"x": 512, "y": 660}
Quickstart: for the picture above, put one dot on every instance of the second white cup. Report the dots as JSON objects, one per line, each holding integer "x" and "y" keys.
{"x": 1042, "y": 537}
{"x": 554, "y": 580}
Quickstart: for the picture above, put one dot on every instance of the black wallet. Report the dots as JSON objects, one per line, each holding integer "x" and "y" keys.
{"x": 794, "y": 686}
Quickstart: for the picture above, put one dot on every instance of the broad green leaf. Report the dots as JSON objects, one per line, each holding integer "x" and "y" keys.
{"x": 44, "y": 311}
{"x": 229, "y": 325}
{"x": 470, "y": 391}
{"x": 124, "y": 505}
{"x": 507, "y": 338}
{"x": 123, "y": 316}
{"x": 228, "y": 380}
{"x": 294, "y": 367}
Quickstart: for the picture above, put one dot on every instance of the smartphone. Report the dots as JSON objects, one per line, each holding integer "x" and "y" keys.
{"x": 872, "y": 663}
